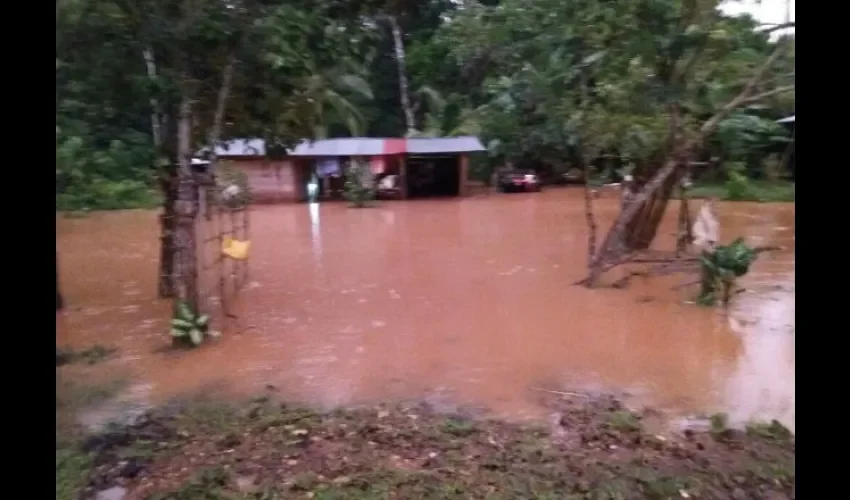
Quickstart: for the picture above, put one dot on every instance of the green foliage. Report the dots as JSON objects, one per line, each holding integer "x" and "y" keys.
{"x": 89, "y": 178}
{"x": 773, "y": 430}
{"x": 546, "y": 80}
{"x": 721, "y": 267}
{"x": 743, "y": 132}
{"x": 189, "y": 328}
{"x": 72, "y": 471}
{"x": 719, "y": 423}
{"x": 541, "y": 81}
{"x": 738, "y": 187}
{"x": 757, "y": 190}
{"x": 298, "y": 73}
{"x": 359, "y": 184}
{"x": 104, "y": 151}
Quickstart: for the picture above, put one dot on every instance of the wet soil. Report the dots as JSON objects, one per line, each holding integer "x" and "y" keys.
{"x": 592, "y": 448}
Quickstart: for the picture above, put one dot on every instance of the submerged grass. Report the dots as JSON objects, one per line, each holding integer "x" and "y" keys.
{"x": 90, "y": 356}
{"x": 74, "y": 465}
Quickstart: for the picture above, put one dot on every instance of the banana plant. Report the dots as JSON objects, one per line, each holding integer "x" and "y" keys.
{"x": 721, "y": 267}
{"x": 190, "y": 328}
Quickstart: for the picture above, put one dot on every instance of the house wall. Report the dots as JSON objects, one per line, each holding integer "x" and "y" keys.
{"x": 270, "y": 181}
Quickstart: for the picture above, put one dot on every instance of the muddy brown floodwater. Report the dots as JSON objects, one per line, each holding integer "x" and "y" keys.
{"x": 458, "y": 302}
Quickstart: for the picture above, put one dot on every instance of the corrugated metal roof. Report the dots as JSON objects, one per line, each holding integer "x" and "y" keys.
{"x": 426, "y": 145}
{"x": 355, "y": 146}
{"x": 789, "y": 119}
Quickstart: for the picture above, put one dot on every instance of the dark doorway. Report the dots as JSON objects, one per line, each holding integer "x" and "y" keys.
{"x": 433, "y": 176}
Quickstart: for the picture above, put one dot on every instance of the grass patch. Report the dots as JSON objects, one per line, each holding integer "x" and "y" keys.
{"x": 90, "y": 356}
{"x": 105, "y": 195}
{"x": 73, "y": 397}
{"x": 262, "y": 450}
{"x": 458, "y": 427}
{"x": 72, "y": 471}
{"x": 625, "y": 421}
{"x": 719, "y": 423}
{"x": 772, "y": 430}
{"x": 760, "y": 191}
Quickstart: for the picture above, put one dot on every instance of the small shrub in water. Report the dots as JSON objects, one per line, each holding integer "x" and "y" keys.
{"x": 721, "y": 267}
{"x": 359, "y": 184}
{"x": 189, "y": 328}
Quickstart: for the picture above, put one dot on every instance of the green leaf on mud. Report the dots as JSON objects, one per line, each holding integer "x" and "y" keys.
{"x": 184, "y": 312}
{"x": 176, "y": 332}
{"x": 196, "y": 336}
{"x": 181, "y": 323}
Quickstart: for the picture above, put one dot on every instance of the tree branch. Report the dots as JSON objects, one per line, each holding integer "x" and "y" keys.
{"x": 221, "y": 108}
{"x": 777, "y": 27}
{"x": 742, "y": 98}
{"x": 765, "y": 95}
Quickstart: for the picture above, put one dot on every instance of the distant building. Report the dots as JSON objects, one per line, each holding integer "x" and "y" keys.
{"x": 421, "y": 166}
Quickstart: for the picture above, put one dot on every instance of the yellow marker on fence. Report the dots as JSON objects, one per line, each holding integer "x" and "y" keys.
{"x": 235, "y": 249}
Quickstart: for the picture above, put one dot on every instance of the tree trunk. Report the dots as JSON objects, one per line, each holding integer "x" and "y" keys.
{"x": 590, "y": 217}
{"x": 404, "y": 91}
{"x": 615, "y": 246}
{"x": 185, "y": 263}
{"x": 156, "y": 124}
{"x": 641, "y": 230}
{"x": 638, "y": 222}
{"x": 167, "y": 184}
{"x": 60, "y": 303}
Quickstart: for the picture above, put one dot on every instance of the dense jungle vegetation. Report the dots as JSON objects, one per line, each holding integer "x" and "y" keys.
{"x": 534, "y": 79}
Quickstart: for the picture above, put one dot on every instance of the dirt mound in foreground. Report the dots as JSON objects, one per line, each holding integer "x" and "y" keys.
{"x": 593, "y": 448}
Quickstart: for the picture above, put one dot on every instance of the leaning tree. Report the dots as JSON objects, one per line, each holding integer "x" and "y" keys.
{"x": 648, "y": 81}
{"x": 656, "y": 92}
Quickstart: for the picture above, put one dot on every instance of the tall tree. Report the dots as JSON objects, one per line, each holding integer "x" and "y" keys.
{"x": 184, "y": 63}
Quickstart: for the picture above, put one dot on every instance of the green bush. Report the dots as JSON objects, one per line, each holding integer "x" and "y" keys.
{"x": 738, "y": 186}
{"x": 95, "y": 178}
{"x": 720, "y": 268}
{"x": 359, "y": 184}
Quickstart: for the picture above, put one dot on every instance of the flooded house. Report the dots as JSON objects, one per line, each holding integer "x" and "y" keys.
{"x": 439, "y": 166}
{"x": 324, "y": 163}
{"x": 270, "y": 180}
{"x": 402, "y": 168}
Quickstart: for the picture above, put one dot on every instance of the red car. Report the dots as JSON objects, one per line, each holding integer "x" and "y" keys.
{"x": 516, "y": 180}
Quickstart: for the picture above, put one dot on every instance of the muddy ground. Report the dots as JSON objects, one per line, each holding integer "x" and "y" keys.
{"x": 593, "y": 448}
